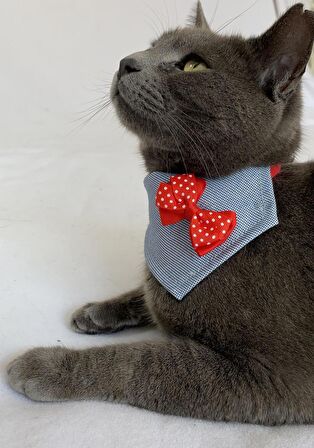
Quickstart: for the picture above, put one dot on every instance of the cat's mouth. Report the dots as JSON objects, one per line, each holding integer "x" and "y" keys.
{"x": 140, "y": 96}
{"x": 139, "y": 102}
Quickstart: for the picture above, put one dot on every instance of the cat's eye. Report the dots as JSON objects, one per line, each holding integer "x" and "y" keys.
{"x": 195, "y": 66}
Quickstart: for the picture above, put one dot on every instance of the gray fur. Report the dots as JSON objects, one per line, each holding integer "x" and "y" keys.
{"x": 241, "y": 344}
{"x": 125, "y": 311}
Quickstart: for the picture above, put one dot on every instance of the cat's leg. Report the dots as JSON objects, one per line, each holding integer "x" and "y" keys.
{"x": 127, "y": 310}
{"x": 174, "y": 377}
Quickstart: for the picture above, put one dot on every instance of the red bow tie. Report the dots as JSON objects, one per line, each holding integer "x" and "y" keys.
{"x": 177, "y": 200}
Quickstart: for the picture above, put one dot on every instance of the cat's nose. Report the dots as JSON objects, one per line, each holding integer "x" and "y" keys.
{"x": 128, "y": 65}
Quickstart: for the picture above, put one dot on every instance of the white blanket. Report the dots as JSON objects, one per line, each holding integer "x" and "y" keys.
{"x": 68, "y": 235}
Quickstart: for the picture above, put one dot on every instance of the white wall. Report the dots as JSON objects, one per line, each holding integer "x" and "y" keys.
{"x": 58, "y": 55}
{"x": 55, "y": 54}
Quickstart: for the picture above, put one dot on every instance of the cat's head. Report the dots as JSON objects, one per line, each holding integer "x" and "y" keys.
{"x": 211, "y": 104}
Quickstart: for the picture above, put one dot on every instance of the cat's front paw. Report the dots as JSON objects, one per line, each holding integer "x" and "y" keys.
{"x": 83, "y": 320}
{"x": 99, "y": 317}
{"x": 43, "y": 374}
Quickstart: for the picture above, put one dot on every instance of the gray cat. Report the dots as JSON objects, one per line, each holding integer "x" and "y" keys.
{"x": 241, "y": 343}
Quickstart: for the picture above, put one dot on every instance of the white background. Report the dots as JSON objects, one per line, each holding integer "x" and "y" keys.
{"x": 67, "y": 234}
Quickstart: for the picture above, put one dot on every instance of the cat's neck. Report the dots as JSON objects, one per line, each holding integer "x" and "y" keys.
{"x": 159, "y": 158}
{"x": 167, "y": 160}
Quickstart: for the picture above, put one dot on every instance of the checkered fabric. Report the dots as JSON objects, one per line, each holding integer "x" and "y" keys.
{"x": 168, "y": 251}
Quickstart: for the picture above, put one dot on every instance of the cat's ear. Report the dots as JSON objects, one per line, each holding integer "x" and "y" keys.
{"x": 284, "y": 51}
{"x": 198, "y": 18}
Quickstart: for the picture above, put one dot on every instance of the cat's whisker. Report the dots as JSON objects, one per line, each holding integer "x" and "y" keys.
{"x": 84, "y": 120}
{"x": 167, "y": 14}
{"x": 176, "y": 11}
{"x": 206, "y": 149}
{"x": 80, "y": 126}
{"x": 160, "y": 23}
{"x": 93, "y": 110}
{"x": 99, "y": 85}
{"x": 214, "y": 13}
{"x": 199, "y": 113}
{"x": 198, "y": 152}
{"x": 189, "y": 132}
{"x": 162, "y": 136}
{"x": 150, "y": 24}
{"x": 94, "y": 104}
{"x": 172, "y": 133}
{"x": 193, "y": 144}
{"x": 101, "y": 88}
{"x": 230, "y": 21}
{"x": 177, "y": 126}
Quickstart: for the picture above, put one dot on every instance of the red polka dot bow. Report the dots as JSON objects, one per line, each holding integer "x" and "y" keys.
{"x": 177, "y": 200}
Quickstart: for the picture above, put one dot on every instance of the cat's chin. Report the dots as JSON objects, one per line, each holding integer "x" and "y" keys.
{"x": 143, "y": 125}
{"x": 137, "y": 112}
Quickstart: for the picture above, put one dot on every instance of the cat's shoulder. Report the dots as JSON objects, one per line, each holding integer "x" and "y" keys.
{"x": 295, "y": 180}
{"x": 294, "y": 192}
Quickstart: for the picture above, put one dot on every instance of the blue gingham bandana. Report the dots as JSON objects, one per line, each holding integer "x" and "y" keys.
{"x": 168, "y": 251}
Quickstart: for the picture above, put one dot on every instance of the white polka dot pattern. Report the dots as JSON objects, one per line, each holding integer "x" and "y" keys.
{"x": 174, "y": 204}
{"x": 168, "y": 251}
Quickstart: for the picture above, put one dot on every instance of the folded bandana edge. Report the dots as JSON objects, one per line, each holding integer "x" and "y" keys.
{"x": 181, "y": 280}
